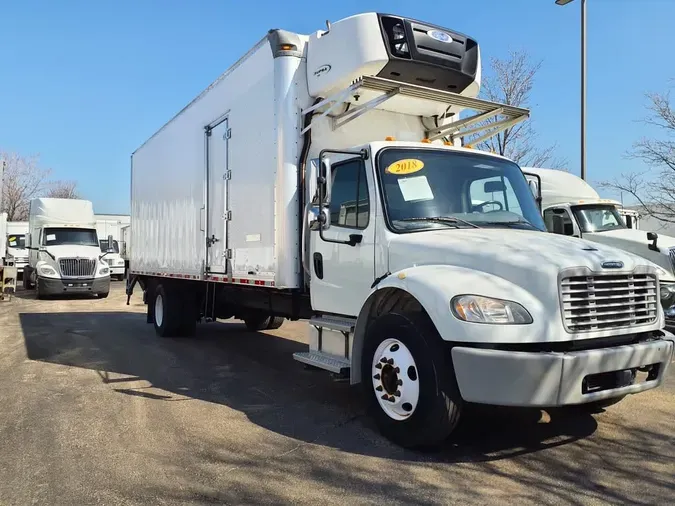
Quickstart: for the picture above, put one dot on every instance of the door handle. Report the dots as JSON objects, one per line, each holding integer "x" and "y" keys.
{"x": 318, "y": 265}
{"x": 201, "y": 227}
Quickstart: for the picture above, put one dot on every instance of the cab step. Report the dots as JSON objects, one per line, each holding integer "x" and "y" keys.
{"x": 337, "y": 323}
{"x": 338, "y": 365}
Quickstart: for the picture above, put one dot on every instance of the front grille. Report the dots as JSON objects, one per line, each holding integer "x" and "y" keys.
{"x": 671, "y": 253}
{"x": 77, "y": 267}
{"x": 606, "y": 302}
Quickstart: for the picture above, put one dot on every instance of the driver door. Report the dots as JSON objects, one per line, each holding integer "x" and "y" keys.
{"x": 341, "y": 274}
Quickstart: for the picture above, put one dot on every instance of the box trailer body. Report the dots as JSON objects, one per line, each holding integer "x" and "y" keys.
{"x": 571, "y": 207}
{"x": 310, "y": 182}
{"x": 64, "y": 251}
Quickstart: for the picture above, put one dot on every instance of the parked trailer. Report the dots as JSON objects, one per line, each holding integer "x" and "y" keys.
{"x": 310, "y": 182}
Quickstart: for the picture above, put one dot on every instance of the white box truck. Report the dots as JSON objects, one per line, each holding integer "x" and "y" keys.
{"x": 111, "y": 226}
{"x": 64, "y": 252}
{"x": 321, "y": 178}
{"x": 572, "y": 207}
{"x": 16, "y": 244}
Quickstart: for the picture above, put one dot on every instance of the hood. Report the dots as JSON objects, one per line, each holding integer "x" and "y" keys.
{"x": 74, "y": 251}
{"x": 529, "y": 259}
{"x": 635, "y": 241}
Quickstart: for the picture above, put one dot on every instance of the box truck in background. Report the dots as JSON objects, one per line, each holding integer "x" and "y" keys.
{"x": 111, "y": 225}
{"x": 64, "y": 251}
{"x": 16, "y": 243}
{"x": 319, "y": 183}
{"x": 572, "y": 207}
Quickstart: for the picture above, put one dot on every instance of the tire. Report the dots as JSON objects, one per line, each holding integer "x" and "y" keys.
{"x": 38, "y": 293}
{"x": 103, "y": 295}
{"x": 599, "y": 406}
{"x": 167, "y": 315}
{"x": 275, "y": 322}
{"x": 257, "y": 322}
{"x": 426, "y": 402}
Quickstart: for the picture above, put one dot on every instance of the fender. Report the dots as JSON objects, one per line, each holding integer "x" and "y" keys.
{"x": 433, "y": 286}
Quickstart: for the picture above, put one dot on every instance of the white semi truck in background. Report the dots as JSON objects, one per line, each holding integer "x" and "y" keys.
{"x": 571, "y": 207}
{"x": 64, "y": 251}
{"x": 16, "y": 244}
{"x": 7, "y": 268}
{"x": 112, "y": 226}
{"x": 322, "y": 178}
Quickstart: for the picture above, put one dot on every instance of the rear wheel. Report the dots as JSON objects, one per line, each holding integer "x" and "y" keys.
{"x": 408, "y": 381}
{"x": 167, "y": 316}
{"x": 260, "y": 321}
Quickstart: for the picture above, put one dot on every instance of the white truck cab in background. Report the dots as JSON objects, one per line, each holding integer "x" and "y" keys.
{"x": 64, "y": 251}
{"x": 112, "y": 225}
{"x": 16, "y": 244}
{"x": 571, "y": 207}
{"x": 322, "y": 178}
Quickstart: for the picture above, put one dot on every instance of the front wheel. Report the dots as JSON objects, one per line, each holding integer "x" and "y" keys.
{"x": 408, "y": 381}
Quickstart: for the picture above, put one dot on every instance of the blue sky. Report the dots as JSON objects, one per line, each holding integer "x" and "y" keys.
{"x": 84, "y": 83}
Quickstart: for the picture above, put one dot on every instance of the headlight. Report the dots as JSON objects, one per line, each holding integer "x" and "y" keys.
{"x": 46, "y": 270}
{"x": 103, "y": 271}
{"x": 477, "y": 309}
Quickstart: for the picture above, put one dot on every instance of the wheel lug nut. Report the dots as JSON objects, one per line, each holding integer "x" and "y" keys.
{"x": 383, "y": 360}
{"x": 378, "y": 366}
{"x": 397, "y": 370}
{"x": 385, "y": 397}
{"x": 390, "y": 361}
{"x": 377, "y": 376}
{"x": 400, "y": 382}
{"x": 392, "y": 398}
{"x": 378, "y": 388}
{"x": 398, "y": 393}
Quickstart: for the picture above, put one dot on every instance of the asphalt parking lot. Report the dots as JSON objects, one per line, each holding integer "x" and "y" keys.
{"x": 97, "y": 410}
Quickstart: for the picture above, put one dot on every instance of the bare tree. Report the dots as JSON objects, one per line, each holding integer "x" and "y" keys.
{"x": 510, "y": 82}
{"x": 653, "y": 188}
{"x": 63, "y": 190}
{"x": 23, "y": 180}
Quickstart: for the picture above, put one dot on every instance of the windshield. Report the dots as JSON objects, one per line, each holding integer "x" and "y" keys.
{"x": 104, "y": 245}
{"x": 428, "y": 188}
{"x": 16, "y": 241}
{"x": 75, "y": 236}
{"x": 598, "y": 218}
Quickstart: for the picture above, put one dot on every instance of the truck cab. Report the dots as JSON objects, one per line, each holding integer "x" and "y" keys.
{"x": 571, "y": 207}
{"x": 113, "y": 257}
{"x": 64, "y": 251}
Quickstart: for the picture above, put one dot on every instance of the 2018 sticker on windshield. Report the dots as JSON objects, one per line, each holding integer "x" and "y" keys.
{"x": 403, "y": 167}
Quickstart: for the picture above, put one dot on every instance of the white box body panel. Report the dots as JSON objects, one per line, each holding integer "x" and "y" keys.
{"x": 49, "y": 212}
{"x": 168, "y": 210}
{"x": 3, "y": 235}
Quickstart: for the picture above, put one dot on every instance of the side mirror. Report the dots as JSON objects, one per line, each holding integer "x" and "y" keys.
{"x": 654, "y": 237}
{"x": 325, "y": 181}
{"x": 27, "y": 239}
{"x": 111, "y": 249}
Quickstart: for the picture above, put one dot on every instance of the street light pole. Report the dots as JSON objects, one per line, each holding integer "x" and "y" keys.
{"x": 583, "y": 83}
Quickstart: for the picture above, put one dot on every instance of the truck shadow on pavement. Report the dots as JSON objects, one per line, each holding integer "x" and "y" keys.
{"x": 255, "y": 373}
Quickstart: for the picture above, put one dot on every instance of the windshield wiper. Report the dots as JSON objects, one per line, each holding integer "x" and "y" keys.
{"x": 507, "y": 223}
{"x": 446, "y": 220}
